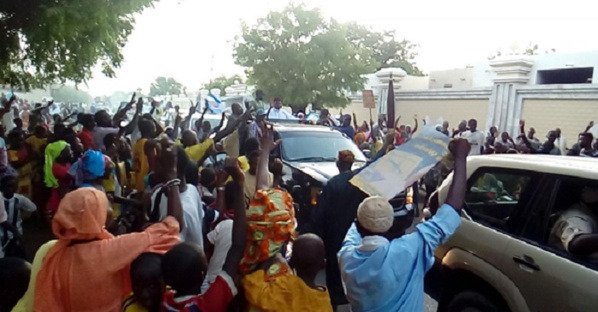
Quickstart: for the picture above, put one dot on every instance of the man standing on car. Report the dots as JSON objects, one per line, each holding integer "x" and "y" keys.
{"x": 276, "y": 111}
{"x": 346, "y": 127}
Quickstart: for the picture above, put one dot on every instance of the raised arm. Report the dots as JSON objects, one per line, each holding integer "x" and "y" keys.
{"x": 267, "y": 144}
{"x": 456, "y": 195}
{"x": 396, "y": 125}
{"x": 166, "y": 173}
{"x": 120, "y": 115}
{"x": 230, "y": 128}
{"x": 590, "y": 125}
{"x": 7, "y": 105}
{"x": 235, "y": 253}
{"x": 133, "y": 124}
{"x": 414, "y": 128}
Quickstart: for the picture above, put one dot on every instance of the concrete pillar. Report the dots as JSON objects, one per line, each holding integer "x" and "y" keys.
{"x": 503, "y": 111}
{"x": 384, "y": 75}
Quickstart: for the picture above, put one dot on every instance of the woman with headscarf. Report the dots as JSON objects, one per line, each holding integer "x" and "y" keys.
{"x": 86, "y": 269}
{"x": 57, "y": 164}
{"x": 90, "y": 169}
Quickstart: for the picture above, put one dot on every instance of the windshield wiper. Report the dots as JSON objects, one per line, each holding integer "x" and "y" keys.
{"x": 314, "y": 159}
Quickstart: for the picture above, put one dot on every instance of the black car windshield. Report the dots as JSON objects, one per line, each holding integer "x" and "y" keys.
{"x": 316, "y": 146}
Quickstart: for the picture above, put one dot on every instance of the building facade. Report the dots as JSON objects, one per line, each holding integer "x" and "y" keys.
{"x": 547, "y": 91}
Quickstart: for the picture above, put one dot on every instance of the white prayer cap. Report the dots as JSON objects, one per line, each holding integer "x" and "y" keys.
{"x": 375, "y": 214}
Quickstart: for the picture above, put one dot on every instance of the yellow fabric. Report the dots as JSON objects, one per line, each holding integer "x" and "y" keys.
{"x": 231, "y": 144}
{"x": 131, "y": 305}
{"x": 36, "y": 143}
{"x": 140, "y": 164}
{"x": 285, "y": 293}
{"x": 123, "y": 180}
{"x": 244, "y": 163}
{"x": 25, "y": 173}
{"x": 198, "y": 151}
{"x": 109, "y": 183}
{"x": 26, "y": 303}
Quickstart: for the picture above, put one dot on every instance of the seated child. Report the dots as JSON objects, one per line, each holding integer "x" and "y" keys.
{"x": 184, "y": 266}
{"x": 147, "y": 282}
{"x": 291, "y": 292}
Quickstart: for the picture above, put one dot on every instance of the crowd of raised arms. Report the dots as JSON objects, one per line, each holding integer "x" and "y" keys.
{"x": 140, "y": 225}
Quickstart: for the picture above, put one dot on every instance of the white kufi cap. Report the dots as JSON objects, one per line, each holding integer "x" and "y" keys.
{"x": 375, "y": 214}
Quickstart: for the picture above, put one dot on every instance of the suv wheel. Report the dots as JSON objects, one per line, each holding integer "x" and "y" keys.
{"x": 472, "y": 301}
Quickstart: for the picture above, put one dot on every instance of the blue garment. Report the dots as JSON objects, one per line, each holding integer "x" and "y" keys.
{"x": 389, "y": 276}
{"x": 348, "y": 131}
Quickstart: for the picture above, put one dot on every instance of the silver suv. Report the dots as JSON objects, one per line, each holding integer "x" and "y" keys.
{"x": 513, "y": 250}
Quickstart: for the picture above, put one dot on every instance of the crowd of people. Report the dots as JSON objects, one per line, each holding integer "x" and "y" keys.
{"x": 140, "y": 224}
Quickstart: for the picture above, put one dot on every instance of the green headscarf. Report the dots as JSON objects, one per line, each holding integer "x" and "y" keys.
{"x": 53, "y": 150}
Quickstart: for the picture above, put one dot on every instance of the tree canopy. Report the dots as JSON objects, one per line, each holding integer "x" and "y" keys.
{"x": 42, "y": 42}
{"x": 164, "y": 86}
{"x": 222, "y": 82}
{"x": 302, "y": 57}
{"x": 386, "y": 50}
{"x": 70, "y": 94}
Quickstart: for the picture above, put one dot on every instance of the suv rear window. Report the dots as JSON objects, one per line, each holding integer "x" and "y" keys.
{"x": 493, "y": 195}
{"x": 316, "y": 146}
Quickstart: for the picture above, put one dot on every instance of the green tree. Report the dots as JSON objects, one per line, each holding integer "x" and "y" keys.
{"x": 42, "y": 42}
{"x": 163, "y": 86}
{"x": 222, "y": 82}
{"x": 303, "y": 58}
{"x": 70, "y": 94}
{"x": 387, "y": 51}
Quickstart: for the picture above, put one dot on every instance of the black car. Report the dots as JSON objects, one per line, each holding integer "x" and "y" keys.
{"x": 309, "y": 155}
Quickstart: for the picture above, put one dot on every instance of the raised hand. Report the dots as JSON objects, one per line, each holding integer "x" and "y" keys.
{"x": 232, "y": 168}
{"x": 459, "y": 148}
{"x": 267, "y": 142}
{"x": 166, "y": 156}
{"x": 139, "y": 104}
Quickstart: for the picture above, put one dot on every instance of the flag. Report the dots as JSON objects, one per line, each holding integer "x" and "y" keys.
{"x": 215, "y": 105}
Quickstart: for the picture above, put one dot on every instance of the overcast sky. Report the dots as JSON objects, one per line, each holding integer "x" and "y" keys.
{"x": 191, "y": 40}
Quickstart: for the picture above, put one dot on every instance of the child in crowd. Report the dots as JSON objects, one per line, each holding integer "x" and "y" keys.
{"x": 291, "y": 292}
{"x": 184, "y": 266}
{"x": 148, "y": 284}
{"x": 17, "y": 208}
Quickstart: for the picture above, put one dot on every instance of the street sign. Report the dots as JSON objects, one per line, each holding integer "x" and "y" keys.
{"x": 368, "y": 99}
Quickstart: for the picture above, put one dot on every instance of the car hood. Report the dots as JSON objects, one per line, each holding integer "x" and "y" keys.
{"x": 321, "y": 171}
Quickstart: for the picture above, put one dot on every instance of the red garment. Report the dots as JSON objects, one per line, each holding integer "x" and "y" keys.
{"x": 61, "y": 172}
{"x": 86, "y": 138}
{"x": 216, "y": 299}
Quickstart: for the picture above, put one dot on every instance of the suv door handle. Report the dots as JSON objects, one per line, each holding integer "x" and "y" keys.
{"x": 527, "y": 261}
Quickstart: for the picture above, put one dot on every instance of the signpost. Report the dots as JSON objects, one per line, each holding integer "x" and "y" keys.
{"x": 368, "y": 100}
